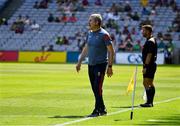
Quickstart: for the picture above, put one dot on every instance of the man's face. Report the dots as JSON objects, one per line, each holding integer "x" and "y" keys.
{"x": 144, "y": 32}
{"x": 92, "y": 23}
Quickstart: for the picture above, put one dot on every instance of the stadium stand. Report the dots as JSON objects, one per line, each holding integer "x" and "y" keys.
{"x": 26, "y": 39}
{"x": 2, "y": 3}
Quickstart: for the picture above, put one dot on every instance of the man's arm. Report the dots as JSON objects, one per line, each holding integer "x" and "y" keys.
{"x": 147, "y": 61}
{"x": 82, "y": 56}
{"x": 110, "y": 60}
{"x": 148, "y": 58}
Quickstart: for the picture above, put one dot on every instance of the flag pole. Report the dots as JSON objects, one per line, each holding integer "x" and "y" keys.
{"x": 133, "y": 94}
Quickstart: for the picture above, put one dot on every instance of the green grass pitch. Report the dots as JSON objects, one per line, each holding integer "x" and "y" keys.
{"x": 55, "y": 94}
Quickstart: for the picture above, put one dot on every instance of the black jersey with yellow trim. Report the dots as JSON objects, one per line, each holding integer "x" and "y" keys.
{"x": 150, "y": 46}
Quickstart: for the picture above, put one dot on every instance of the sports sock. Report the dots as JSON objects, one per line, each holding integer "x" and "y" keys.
{"x": 152, "y": 93}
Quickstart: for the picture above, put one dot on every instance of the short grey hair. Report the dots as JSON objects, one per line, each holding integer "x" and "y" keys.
{"x": 98, "y": 18}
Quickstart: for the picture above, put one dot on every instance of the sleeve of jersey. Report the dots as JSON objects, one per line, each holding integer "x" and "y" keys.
{"x": 150, "y": 47}
{"x": 86, "y": 38}
{"x": 107, "y": 39}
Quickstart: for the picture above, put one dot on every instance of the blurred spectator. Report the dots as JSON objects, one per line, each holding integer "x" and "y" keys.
{"x": 45, "y": 48}
{"x": 167, "y": 36}
{"x": 72, "y": 18}
{"x": 137, "y": 46}
{"x": 65, "y": 40}
{"x": 168, "y": 52}
{"x": 19, "y": 27}
{"x": 113, "y": 8}
{"x": 125, "y": 30}
{"x": 81, "y": 44}
{"x": 20, "y": 19}
{"x": 36, "y": 5}
{"x": 126, "y": 46}
{"x": 105, "y": 16}
{"x": 108, "y": 14}
{"x": 120, "y": 7}
{"x": 145, "y": 11}
{"x": 152, "y": 15}
{"x": 127, "y": 7}
{"x": 166, "y": 3}
{"x": 174, "y": 6}
{"x": 64, "y": 18}
{"x": 161, "y": 46}
{"x": 57, "y": 19}
{"x": 67, "y": 8}
{"x": 85, "y": 2}
{"x": 116, "y": 16}
{"x": 127, "y": 20}
{"x": 133, "y": 31}
{"x": 51, "y": 48}
{"x": 80, "y": 7}
{"x": 144, "y": 3}
{"x": 170, "y": 46}
{"x": 74, "y": 6}
{"x": 112, "y": 24}
{"x": 113, "y": 39}
{"x": 158, "y": 3}
{"x": 122, "y": 46}
{"x": 51, "y": 17}
{"x": 128, "y": 37}
{"x": 167, "y": 56}
{"x": 129, "y": 46}
{"x": 43, "y": 4}
{"x": 59, "y": 41}
{"x": 98, "y": 3}
{"x": 27, "y": 20}
{"x": 35, "y": 26}
{"x": 3, "y": 21}
{"x": 176, "y": 23}
{"x": 135, "y": 16}
{"x": 62, "y": 40}
{"x": 159, "y": 36}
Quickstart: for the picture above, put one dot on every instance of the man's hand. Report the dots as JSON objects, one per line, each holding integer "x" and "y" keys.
{"x": 109, "y": 71}
{"x": 144, "y": 71}
{"x": 78, "y": 67}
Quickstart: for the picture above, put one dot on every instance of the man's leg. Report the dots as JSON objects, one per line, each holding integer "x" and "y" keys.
{"x": 99, "y": 78}
{"x": 99, "y": 91}
{"x": 96, "y": 76}
{"x": 150, "y": 92}
{"x": 92, "y": 80}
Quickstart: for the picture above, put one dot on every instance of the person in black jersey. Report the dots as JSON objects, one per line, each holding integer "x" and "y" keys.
{"x": 149, "y": 55}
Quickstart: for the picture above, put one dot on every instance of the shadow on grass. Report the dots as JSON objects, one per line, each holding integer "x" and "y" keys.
{"x": 126, "y": 107}
{"x": 165, "y": 120}
{"x": 69, "y": 116}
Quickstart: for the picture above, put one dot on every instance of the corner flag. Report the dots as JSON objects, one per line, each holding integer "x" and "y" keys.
{"x": 132, "y": 87}
{"x": 131, "y": 83}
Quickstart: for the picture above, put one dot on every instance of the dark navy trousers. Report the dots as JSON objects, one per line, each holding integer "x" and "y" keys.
{"x": 96, "y": 76}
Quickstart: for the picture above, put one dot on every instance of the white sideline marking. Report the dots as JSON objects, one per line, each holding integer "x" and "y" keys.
{"x": 113, "y": 113}
{"x": 155, "y": 120}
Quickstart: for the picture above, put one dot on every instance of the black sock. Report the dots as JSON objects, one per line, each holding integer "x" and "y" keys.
{"x": 148, "y": 94}
{"x": 152, "y": 93}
